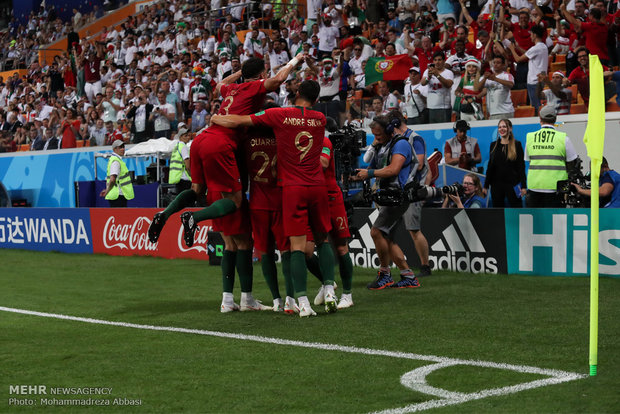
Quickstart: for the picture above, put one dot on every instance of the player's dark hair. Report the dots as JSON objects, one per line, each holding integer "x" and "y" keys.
{"x": 309, "y": 90}
{"x": 596, "y": 13}
{"x": 252, "y": 67}
{"x": 270, "y": 105}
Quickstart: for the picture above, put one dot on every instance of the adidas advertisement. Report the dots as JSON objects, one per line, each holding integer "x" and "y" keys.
{"x": 466, "y": 240}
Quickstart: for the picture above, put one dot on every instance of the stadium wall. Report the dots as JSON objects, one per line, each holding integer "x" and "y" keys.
{"x": 492, "y": 241}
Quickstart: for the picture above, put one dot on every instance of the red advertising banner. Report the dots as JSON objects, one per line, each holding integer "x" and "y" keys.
{"x": 123, "y": 232}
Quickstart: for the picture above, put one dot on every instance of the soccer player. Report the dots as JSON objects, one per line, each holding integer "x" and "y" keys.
{"x": 339, "y": 233}
{"x": 299, "y": 135}
{"x": 214, "y": 166}
{"x": 266, "y": 213}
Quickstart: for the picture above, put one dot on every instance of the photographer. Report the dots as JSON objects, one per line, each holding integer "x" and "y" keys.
{"x": 609, "y": 186}
{"x": 550, "y": 153}
{"x": 394, "y": 166}
{"x": 472, "y": 195}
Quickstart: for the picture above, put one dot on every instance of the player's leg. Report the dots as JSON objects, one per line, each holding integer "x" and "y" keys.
{"x": 345, "y": 265}
{"x": 244, "y": 267}
{"x": 312, "y": 260}
{"x": 299, "y": 273}
{"x": 229, "y": 259}
{"x": 185, "y": 198}
{"x": 264, "y": 244}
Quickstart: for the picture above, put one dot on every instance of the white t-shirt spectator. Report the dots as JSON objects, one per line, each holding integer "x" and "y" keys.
{"x": 130, "y": 53}
{"x": 161, "y": 60}
{"x": 109, "y": 113}
{"x": 390, "y": 103}
{"x": 538, "y": 56}
{"x": 277, "y": 59}
{"x": 438, "y": 95}
{"x": 415, "y": 102}
{"x": 328, "y": 36}
{"x": 561, "y": 107}
{"x": 161, "y": 122}
{"x": 314, "y": 8}
{"x": 498, "y": 95}
{"x": 140, "y": 118}
{"x": 336, "y": 14}
{"x": 356, "y": 64}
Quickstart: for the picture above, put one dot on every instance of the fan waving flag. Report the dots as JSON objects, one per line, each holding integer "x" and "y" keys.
{"x": 387, "y": 68}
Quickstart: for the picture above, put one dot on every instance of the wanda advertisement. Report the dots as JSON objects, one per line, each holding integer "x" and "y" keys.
{"x": 123, "y": 232}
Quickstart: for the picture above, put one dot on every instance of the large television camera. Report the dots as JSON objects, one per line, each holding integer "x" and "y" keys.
{"x": 348, "y": 143}
{"x": 411, "y": 193}
{"x": 569, "y": 195}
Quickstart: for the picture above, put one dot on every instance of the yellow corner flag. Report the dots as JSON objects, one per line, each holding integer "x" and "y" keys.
{"x": 594, "y": 139}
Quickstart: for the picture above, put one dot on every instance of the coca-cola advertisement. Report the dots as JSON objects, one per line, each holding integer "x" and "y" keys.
{"x": 123, "y": 232}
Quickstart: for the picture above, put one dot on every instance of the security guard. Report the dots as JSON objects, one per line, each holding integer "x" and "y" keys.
{"x": 550, "y": 153}
{"x": 179, "y": 161}
{"x": 118, "y": 182}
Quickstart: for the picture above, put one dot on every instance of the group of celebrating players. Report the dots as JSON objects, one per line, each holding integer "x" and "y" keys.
{"x": 290, "y": 168}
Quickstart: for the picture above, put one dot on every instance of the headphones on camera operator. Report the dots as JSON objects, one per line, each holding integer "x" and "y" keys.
{"x": 390, "y": 191}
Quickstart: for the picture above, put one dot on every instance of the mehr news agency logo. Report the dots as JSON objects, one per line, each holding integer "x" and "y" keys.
{"x": 23, "y": 395}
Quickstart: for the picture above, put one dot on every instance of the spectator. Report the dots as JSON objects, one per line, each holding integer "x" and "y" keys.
{"x": 557, "y": 96}
{"x": 548, "y": 163}
{"x": 162, "y": 115}
{"x": 496, "y": 86}
{"x": 595, "y": 32}
{"x": 440, "y": 80}
{"x": 473, "y": 196}
{"x": 97, "y": 133}
{"x": 199, "y": 117}
{"x": 609, "y": 187}
{"x": 537, "y": 58}
{"x": 462, "y": 150}
{"x": 506, "y": 168}
{"x": 470, "y": 100}
{"x": 70, "y": 129}
{"x": 415, "y": 98}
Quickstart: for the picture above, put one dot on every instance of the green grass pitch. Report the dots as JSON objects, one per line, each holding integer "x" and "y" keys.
{"x": 519, "y": 320}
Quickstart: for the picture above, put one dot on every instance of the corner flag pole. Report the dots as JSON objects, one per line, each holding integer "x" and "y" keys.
{"x": 594, "y": 139}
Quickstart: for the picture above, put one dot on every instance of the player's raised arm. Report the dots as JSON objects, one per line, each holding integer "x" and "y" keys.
{"x": 232, "y": 121}
{"x": 227, "y": 81}
{"x": 274, "y": 83}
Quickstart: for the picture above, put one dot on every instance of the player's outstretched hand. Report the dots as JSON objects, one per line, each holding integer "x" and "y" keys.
{"x": 300, "y": 56}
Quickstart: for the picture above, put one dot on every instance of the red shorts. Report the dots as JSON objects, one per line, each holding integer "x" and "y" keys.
{"x": 268, "y": 230}
{"x": 213, "y": 162}
{"x": 338, "y": 216}
{"x": 232, "y": 224}
{"x": 304, "y": 206}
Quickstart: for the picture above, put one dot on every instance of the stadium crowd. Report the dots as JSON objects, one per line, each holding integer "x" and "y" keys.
{"x": 159, "y": 67}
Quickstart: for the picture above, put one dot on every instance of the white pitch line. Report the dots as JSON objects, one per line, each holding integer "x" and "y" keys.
{"x": 415, "y": 380}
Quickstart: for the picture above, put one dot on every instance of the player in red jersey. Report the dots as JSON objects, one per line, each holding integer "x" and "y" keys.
{"x": 299, "y": 133}
{"x": 214, "y": 166}
{"x": 339, "y": 233}
{"x": 266, "y": 212}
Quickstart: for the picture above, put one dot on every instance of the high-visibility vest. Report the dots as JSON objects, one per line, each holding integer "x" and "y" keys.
{"x": 546, "y": 149}
{"x": 123, "y": 181}
{"x": 177, "y": 165}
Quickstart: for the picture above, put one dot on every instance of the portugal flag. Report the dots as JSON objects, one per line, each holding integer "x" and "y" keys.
{"x": 387, "y": 68}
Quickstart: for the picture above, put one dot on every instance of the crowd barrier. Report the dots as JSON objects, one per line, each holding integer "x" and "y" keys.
{"x": 549, "y": 242}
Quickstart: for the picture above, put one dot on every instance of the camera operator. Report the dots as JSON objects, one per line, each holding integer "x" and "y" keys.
{"x": 550, "y": 153}
{"x": 394, "y": 166}
{"x": 609, "y": 186}
{"x": 471, "y": 196}
{"x": 413, "y": 215}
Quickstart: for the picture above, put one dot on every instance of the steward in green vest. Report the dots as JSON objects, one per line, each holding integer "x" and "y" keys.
{"x": 179, "y": 162}
{"x": 550, "y": 153}
{"x": 118, "y": 182}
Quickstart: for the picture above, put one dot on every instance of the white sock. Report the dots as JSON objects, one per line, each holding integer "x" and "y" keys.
{"x": 227, "y": 297}
{"x": 346, "y": 296}
{"x": 246, "y": 297}
{"x": 329, "y": 289}
{"x": 290, "y": 300}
